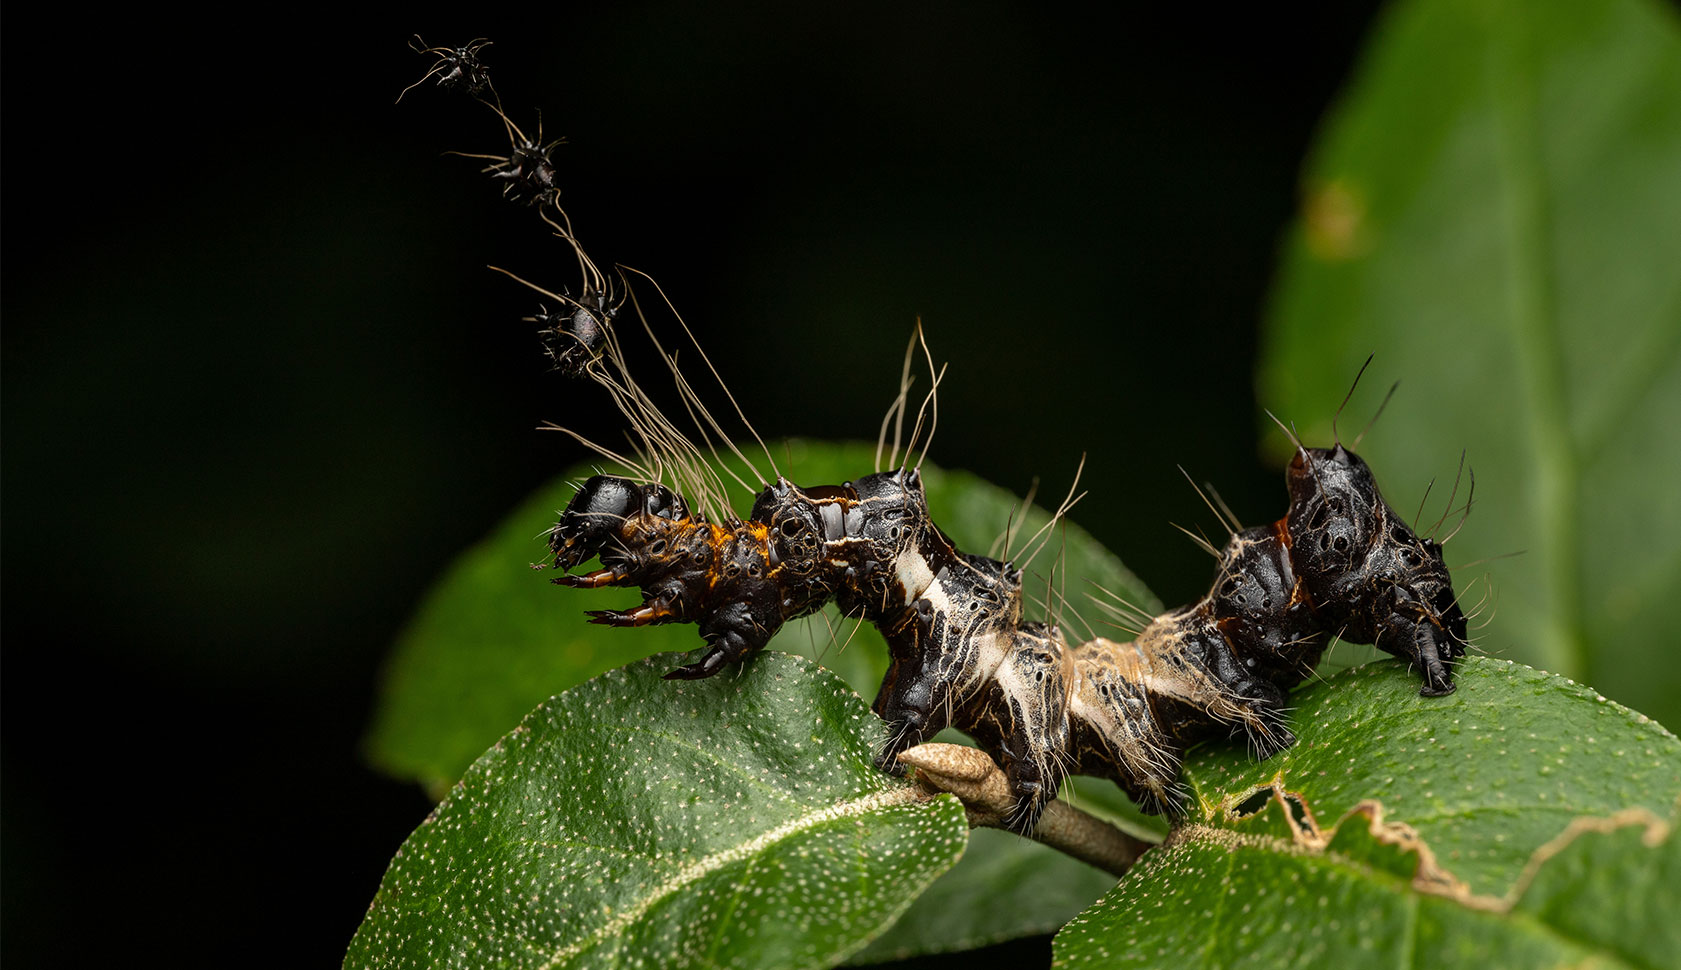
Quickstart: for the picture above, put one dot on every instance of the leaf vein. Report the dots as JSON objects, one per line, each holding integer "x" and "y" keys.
{"x": 700, "y": 869}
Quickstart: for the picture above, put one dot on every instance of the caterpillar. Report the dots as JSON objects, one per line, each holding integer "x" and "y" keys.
{"x": 1340, "y": 563}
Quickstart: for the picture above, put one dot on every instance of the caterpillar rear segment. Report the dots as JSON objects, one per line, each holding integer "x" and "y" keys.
{"x": 1339, "y": 563}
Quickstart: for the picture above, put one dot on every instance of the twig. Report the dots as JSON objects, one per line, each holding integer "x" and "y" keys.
{"x": 980, "y": 785}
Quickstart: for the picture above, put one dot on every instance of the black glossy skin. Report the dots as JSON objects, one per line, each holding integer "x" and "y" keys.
{"x": 1222, "y": 665}
{"x": 947, "y": 632}
{"x": 597, "y": 514}
{"x": 940, "y": 660}
{"x": 1371, "y": 578}
{"x": 798, "y": 549}
{"x": 1254, "y": 605}
{"x": 1340, "y": 563}
{"x": 850, "y": 540}
{"x": 892, "y": 517}
{"x": 1125, "y": 748}
{"x": 741, "y": 581}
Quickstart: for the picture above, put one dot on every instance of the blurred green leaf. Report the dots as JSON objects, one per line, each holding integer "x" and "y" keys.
{"x": 1494, "y": 211}
{"x": 1004, "y": 887}
{"x": 734, "y": 821}
{"x": 1404, "y": 825}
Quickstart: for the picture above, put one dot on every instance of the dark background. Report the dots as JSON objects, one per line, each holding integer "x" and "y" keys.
{"x": 259, "y": 388}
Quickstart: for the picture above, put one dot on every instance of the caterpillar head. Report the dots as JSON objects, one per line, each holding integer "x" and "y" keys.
{"x": 1366, "y": 570}
{"x": 599, "y": 513}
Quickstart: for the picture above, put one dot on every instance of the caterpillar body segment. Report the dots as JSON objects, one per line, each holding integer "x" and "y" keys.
{"x": 1256, "y": 600}
{"x": 1371, "y": 578}
{"x": 946, "y": 645}
{"x": 1021, "y": 717}
{"x": 1114, "y": 729}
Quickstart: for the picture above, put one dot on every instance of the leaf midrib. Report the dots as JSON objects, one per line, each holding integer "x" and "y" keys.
{"x": 749, "y": 849}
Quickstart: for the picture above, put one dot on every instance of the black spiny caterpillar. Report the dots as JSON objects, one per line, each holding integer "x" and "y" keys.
{"x": 1340, "y": 563}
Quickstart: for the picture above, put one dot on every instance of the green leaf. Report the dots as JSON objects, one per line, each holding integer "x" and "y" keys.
{"x": 1494, "y": 211}
{"x": 735, "y": 821}
{"x": 1443, "y": 828}
{"x": 1583, "y": 886}
{"x": 1253, "y": 903}
{"x": 1486, "y": 775}
{"x": 494, "y": 639}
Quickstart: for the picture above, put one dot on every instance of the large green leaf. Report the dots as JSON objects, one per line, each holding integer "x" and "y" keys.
{"x": 494, "y": 639}
{"x": 1495, "y": 212}
{"x": 1485, "y": 775}
{"x": 736, "y": 821}
{"x": 1400, "y": 824}
{"x": 1612, "y": 884}
{"x": 1215, "y": 902}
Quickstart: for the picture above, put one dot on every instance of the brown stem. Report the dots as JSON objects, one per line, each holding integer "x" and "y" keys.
{"x": 979, "y": 784}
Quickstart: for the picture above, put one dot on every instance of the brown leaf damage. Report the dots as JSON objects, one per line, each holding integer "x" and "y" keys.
{"x": 1428, "y": 875}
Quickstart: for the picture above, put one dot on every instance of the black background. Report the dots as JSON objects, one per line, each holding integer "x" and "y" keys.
{"x": 259, "y": 388}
